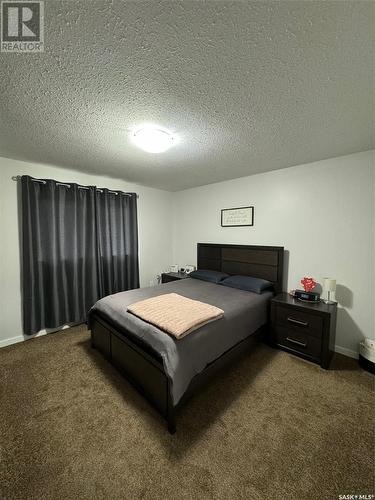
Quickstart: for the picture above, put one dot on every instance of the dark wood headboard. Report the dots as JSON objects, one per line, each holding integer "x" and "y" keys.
{"x": 248, "y": 260}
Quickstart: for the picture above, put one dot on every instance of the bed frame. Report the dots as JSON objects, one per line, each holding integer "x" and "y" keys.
{"x": 143, "y": 366}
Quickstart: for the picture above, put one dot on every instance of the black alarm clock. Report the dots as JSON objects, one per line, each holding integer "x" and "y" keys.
{"x": 307, "y": 296}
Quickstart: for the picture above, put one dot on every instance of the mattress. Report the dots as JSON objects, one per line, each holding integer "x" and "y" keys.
{"x": 244, "y": 313}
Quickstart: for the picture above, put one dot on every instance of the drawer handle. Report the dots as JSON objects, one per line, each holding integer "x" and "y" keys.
{"x": 296, "y": 342}
{"x": 298, "y": 322}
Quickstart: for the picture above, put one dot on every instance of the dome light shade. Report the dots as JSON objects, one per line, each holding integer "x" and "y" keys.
{"x": 153, "y": 139}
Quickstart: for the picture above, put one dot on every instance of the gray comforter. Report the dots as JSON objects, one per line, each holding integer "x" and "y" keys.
{"x": 244, "y": 313}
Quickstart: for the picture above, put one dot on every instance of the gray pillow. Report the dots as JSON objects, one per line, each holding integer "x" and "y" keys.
{"x": 207, "y": 275}
{"x": 247, "y": 283}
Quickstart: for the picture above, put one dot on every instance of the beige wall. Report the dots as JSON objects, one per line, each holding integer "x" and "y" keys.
{"x": 322, "y": 213}
{"x": 154, "y": 221}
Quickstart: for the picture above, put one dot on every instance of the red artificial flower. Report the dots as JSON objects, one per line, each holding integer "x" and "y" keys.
{"x": 308, "y": 283}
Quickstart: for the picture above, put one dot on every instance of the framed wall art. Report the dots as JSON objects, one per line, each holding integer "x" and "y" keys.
{"x": 237, "y": 217}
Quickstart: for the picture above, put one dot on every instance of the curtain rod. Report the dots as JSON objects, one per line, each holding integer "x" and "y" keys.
{"x": 18, "y": 177}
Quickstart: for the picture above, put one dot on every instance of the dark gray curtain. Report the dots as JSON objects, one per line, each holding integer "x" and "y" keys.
{"x": 118, "y": 241}
{"x": 78, "y": 245}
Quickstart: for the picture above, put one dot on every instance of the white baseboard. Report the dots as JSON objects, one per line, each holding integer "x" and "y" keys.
{"x": 13, "y": 340}
{"x": 20, "y": 338}
{"x": 346, "y": 352}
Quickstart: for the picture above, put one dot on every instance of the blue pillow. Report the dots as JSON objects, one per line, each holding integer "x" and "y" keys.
{"x": 206, "y": 275}
{"x": 247, "y": 283}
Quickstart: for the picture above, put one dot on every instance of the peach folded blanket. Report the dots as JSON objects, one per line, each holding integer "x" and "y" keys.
{"x": 175, "y": 314}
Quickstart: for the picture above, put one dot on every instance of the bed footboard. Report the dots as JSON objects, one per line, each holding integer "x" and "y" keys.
{"x": 142, "y": 370}
{"x": 145, "y": 371}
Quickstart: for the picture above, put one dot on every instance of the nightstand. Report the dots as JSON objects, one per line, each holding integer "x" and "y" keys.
{"x": 305, "y": 329}
{"x": 167, "y": 277}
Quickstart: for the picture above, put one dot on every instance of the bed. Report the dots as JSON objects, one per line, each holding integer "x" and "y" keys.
{"x": 168, "y": 371}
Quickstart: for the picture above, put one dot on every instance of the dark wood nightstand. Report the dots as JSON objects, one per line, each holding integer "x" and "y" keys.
{"x": 167, "y": 277}
{"x": 307, "y": 330}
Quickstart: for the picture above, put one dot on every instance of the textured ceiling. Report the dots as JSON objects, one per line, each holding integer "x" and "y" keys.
{"x": 247, "y": 86}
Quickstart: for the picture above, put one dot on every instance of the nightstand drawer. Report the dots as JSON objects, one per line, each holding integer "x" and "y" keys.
{"x": 303, "y": 329}
{"x": 300, "y": 322}
{"x": 298, "y": 341}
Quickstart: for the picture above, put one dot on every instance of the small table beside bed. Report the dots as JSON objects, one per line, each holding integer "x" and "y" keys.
{"x": 166, "y": 369}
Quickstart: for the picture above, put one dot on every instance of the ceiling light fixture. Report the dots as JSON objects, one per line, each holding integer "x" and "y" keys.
{"x": 153, "y": 139}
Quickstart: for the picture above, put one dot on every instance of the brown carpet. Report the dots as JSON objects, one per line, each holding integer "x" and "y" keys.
{"x": 272, "y": 427}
